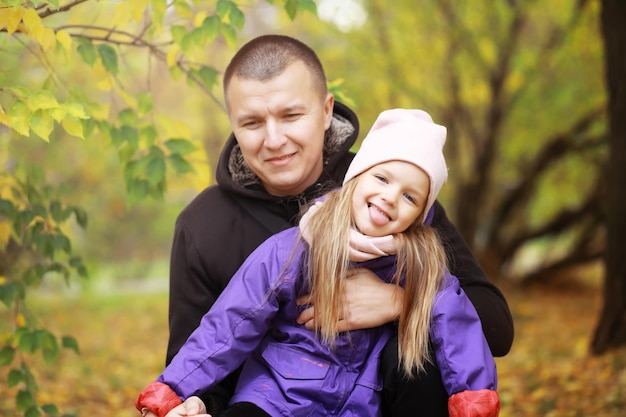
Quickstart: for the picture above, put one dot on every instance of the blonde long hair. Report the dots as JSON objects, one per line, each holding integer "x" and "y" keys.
{"x": 421, "y": 260}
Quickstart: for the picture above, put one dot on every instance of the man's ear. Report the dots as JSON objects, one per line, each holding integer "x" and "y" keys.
{"x": 329, "y": 104}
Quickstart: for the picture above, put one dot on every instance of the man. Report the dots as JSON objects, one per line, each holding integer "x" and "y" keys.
{"x": 290, "y": 144}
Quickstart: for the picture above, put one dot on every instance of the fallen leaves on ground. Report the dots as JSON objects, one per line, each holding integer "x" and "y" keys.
{"x": 122, "y": 338}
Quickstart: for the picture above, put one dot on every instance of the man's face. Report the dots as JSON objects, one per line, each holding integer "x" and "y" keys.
{"x": 279, "y": 125}
{"x": 389, "y": 197}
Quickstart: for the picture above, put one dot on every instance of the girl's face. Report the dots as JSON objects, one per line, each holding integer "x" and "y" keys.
{"x": 389, "y": 197}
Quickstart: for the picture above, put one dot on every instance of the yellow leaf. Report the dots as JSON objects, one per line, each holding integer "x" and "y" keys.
{"x": 98, "y": 111}
{"x": 76, "y": 110}
{"x": 128, "y": 98}
{"x": 42, "y": 124}
{"x": 47, "y": 39}
{"x": 33, "y": 24}
{"x": 122, "y": 14}
{"x": 65, "y": 40}
{"x": 42, "y": 99}
{"x": 137, "y": 9}
{"x": 198, "y": 19}
{"x": 4, "y": 119}
{"x": 173, "y": 128}
{"x": 19, "y": 116}
{"x": 73, "y": 126}
{"x": 106, "y": 82}
{"x": 4, "y": 16}
{"x": 20, "y": 320}
{"x": 14, "y": 17}
{"x": 5, "y": 234}
{"x": 172, "y": 57}
{"x": 59, "y": 113}
{"x": 3, "y": 280}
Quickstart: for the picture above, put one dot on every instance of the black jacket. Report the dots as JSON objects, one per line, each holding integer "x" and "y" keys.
{"x": 218, "y": 230}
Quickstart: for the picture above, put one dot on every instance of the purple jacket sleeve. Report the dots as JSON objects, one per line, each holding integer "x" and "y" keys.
{"x": 231, "y": 330}
{"x": 461, "y": 349}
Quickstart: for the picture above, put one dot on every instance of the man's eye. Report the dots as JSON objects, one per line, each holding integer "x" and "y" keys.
{"x": 292, "y": 116}
{"x": 250, "y": 124}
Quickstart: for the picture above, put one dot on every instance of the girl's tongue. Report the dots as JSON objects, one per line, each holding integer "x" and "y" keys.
{"x": 378, "y": 217}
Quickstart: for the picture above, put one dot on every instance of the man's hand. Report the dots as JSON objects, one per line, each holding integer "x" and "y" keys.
{"x": 370, "y": 302}
{"x": 192, "y": 406}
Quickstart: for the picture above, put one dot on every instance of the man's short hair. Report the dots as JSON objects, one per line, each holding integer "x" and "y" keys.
{"x": 267, "y": 56}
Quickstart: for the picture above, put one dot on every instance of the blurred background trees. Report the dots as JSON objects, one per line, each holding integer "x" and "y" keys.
{"x": 119, "y": 105}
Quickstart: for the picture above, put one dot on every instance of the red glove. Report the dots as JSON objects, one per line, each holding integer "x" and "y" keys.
{"x": 158, "y": 398}
{"x": 481, "y": 403}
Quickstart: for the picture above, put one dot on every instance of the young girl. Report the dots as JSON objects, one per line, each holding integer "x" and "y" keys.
{"x": 377, "y": 220}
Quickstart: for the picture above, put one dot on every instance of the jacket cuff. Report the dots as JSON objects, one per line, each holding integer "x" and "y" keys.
{"x": 481, "y": 403}
{"x": 157, "y": 397}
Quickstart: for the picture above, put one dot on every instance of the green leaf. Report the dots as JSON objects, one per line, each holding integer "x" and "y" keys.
{"x": 33, "y": 411}
{"x": 155, "y": 171}
{"x": 125, "y": 134}
{"x": 181, "y": 166}
{"x": 61, "y": 242}
{"x": 69, "y": 342}
{"x": 211, "y": 26}
{"x": 50, "y": 347}
{"x": 146, "y": 103}
{"x": 307, "y": 5}
{"x": 7, "y": 208}
{"x": 223, "y": 8}
{"x": 229, "y": 34}
{"x": 208, "y": 76}
{"x": 236, "y": 17}
{"x": 24, "y": 400}
{"x": 50, "y": 409}
{"x": 87, "y": 51}
{"x": 81, "y": 216}
{"x": 180, "y": 146}
{"x": 26, "y": 342}
{"x": 148, "y": 135}
{"x": 108, "y": 57}
{"x": 128, "y": 117}
{"x": 198, "y": 36}
{"x": 14, "y": 378}
{"x": 7, "y": 353}
{"x": 291, "y": 8}
{"x": 137, "y": 190}
{"x": 178, "y": 34}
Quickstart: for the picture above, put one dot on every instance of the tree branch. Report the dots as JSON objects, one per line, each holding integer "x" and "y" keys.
{"x": 48, "y": 11}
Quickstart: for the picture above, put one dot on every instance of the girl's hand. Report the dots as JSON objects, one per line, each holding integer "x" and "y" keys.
{"x": 192, "y": 406}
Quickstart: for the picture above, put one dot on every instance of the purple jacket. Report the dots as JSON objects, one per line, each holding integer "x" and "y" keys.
{"x": 287, "y": 371}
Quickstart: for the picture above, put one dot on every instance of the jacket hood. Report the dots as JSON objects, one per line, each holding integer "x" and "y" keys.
{"x": 234, "y": 176}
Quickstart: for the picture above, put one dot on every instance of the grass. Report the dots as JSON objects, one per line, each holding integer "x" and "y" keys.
{"x": 122, "y": 339}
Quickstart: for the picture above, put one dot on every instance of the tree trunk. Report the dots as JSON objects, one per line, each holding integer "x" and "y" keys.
{"x": 611, "y": 329}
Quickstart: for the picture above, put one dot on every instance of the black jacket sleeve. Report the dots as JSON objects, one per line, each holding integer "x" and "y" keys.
{"x": 192, "y": 294}
{"x": 488, "y": 300}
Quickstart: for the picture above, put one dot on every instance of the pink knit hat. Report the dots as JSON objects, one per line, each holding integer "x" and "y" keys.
{"x": 404, "y": 135}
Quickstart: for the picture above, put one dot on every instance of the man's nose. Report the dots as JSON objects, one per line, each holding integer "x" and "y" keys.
{"x": 274, "y": 136}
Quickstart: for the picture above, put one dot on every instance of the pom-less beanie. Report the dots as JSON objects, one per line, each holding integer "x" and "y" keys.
{"x": 405, "y": 135}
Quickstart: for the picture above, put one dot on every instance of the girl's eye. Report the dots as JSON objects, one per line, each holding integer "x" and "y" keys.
{"x": 380, "y": 178}
{"x": 410, "y": 198}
